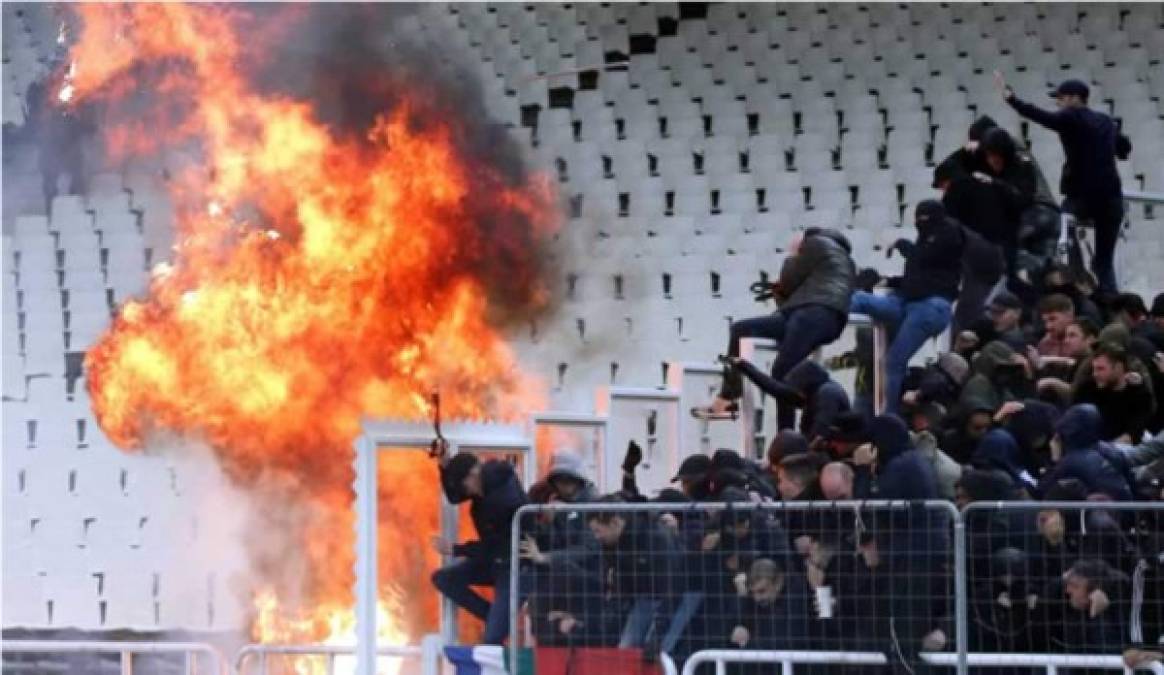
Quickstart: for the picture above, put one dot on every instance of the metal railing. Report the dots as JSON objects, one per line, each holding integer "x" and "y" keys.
{"x": 905, "y": 566}
{"x": 978, "y": 532}
{"x": 787, "y": 659}
{"x": 125, "y": 651}
{"x": 428, "y": 654}
{"x": 1050, "y": 663}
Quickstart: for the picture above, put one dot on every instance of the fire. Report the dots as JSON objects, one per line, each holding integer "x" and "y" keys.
{"x": 319, "y": 276}
{"x": 273, "y": 626}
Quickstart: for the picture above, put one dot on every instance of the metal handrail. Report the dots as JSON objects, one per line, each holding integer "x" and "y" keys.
{"x": 1145, "y": 197}
{"x": 1050, "y": 662}
{"x": 786, "y": 659}
{"x": 125, "y": 650}
{"x": 330, "y": 652}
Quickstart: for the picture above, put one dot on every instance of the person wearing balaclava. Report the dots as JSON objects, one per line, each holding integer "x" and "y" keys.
{"x": 919, "y": 306}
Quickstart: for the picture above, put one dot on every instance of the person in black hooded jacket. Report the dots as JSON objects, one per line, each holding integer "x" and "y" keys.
{"x": 1011, "y": 182}
{"x": 919, "y": 307}
{"x": 807, "y": 386}
{"x": 914, "y": 540}
{"x": 1086, "y": 458}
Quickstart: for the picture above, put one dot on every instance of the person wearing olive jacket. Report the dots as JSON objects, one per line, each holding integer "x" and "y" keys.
{"x": 816, "y": 281}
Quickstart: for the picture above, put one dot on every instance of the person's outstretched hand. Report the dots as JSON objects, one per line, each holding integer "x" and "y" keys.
{"x": 1001, "y": 86}
{"x": 632, "y": 458}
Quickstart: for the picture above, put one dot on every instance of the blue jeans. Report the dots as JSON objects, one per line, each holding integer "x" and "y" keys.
{"x": 799, "y": 331}
{"x": 908, "y": 325}
{"x": 454, "y": 582}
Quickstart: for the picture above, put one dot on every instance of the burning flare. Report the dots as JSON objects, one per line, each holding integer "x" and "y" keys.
{"x": 317, "y": 277}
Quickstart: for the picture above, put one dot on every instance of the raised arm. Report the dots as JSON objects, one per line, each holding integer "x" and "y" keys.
{"x": 1056, "y": 121}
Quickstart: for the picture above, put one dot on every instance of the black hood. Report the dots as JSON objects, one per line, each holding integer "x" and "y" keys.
{"x": 986, "y": 485}
{"x": 1080, "y": 428}
{"x": 1034, "y": 425}
{"x": 891, "y": 437}
{"x": 979, "y": 128}
{"x": 807, "y": 377}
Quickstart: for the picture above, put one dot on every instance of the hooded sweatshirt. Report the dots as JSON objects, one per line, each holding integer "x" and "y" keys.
{"x": 1098, "y": 465}
{"x": 998, "y": 450}
{"x": 933, "y": 264}
{"x": 992, "y": 380}
{"x": 1032, "y": 428}
{"x": 903, "y": 471}
{"x": 824, "y": 399}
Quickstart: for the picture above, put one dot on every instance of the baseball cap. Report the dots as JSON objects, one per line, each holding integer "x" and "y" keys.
{"x": 1071, "y": 87}
{"x": 694, "y": 467}
{"x": 1006, "y": 300}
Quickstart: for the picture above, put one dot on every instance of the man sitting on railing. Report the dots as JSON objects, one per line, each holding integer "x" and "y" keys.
{"x": 816, "y": 280}
{"x": 495, "y": 494}
{"x": 919, "y": 307}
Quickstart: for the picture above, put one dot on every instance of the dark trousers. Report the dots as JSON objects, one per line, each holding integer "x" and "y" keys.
{"x": 982, "y": 266}
{"x": 455, "y": 581}
{"x": 799, "y": 331}
{"x": 1106, "y": 216}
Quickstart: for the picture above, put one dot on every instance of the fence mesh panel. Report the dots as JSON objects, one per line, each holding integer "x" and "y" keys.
{"x": 1066, "y": 578}
{"x": 678, "y": 578}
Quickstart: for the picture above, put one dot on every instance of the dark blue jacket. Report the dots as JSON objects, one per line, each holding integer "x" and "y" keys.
{"x": 999, "y": 450}
{"x": 492, "y": 513}
{"x": 1032, "y": 428}
{"x": 825, "y": 399}
{"x": 1087, "y": 458}
{"x": 903, "y": 471}
{"x": 1089, "y": 145}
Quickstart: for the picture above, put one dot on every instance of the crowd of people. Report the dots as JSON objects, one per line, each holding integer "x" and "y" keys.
{"x": 1051, "y": 389}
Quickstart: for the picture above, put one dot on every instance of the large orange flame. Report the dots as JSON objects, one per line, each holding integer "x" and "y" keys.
{"x": 317, "y": 277}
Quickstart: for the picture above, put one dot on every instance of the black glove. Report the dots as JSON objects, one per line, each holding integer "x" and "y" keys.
{"x": 632, "y": 458}
{"x": 902, "y": 246}
{"x": 867, "y": 279}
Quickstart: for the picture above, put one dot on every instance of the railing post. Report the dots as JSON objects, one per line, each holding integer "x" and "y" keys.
{"x": 366, "y": 568}
{"x": 514, "y": 559}
{"x": 126, "y": 662}
{"x": 262, "y": 663}
{"x": 430, "y": 654}
{"x": 961, "y": 608}
{"x": 786, "y": 667}
{"x": 880, "y": 340}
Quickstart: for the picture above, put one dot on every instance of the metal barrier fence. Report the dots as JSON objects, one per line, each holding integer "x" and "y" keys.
{"x": 1013, "y": 585}
{"x": 683, "y": 577}
{"x": 426, "y": 655}
{"x": 1064, "y": 577}
{"x": 126, "y": 651}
